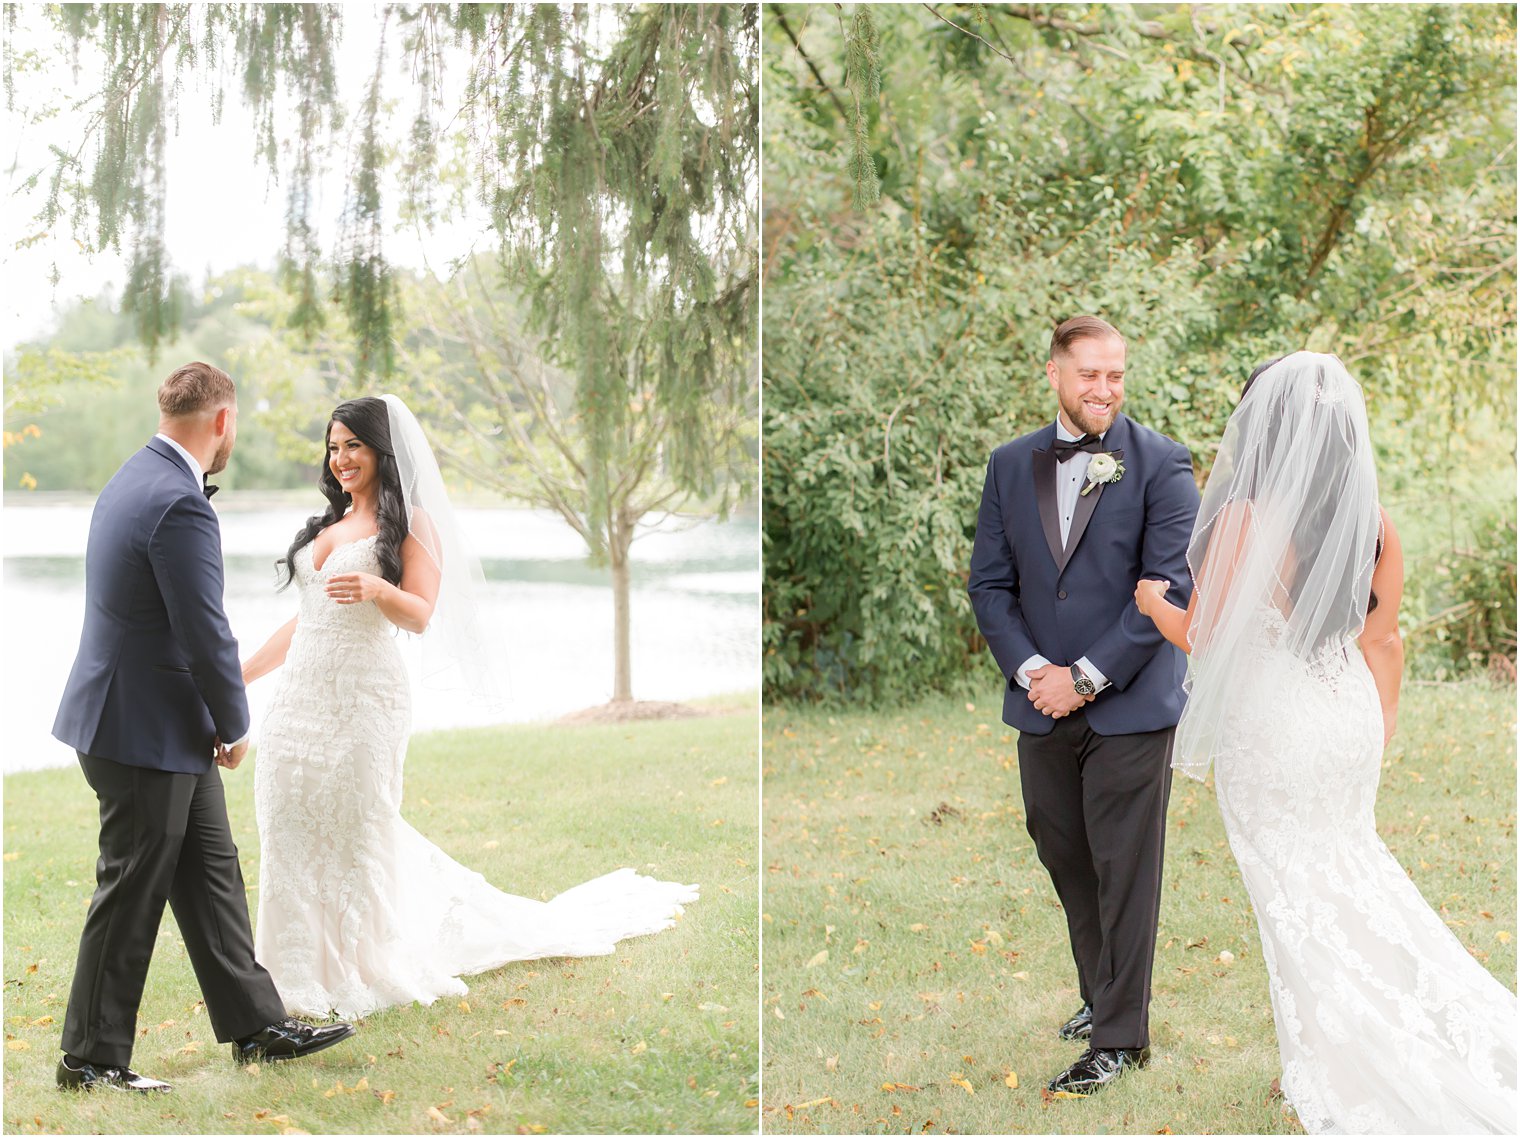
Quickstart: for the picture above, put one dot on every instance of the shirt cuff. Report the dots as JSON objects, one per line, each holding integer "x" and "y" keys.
{"x": 239, "y": 743}
{"x": 1090, "y": 670}
{"x": 1034, "y": 663}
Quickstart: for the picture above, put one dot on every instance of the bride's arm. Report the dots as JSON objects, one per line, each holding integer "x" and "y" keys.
{"x": 1382, "y": 646}
{"x": 1171, "y": 621}
{"x": 1231, "y": 531}
{"x": 410, "y": 604}
{"x": 272, "y": 655}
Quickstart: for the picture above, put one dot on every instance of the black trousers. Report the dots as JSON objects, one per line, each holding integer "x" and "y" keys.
{"x": 1096, "y": 809}
{"x": 163, "y": 837}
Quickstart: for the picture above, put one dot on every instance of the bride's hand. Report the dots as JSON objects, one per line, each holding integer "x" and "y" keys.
{"x": 1149, "y": 594}
{"x": 355, "y": 588}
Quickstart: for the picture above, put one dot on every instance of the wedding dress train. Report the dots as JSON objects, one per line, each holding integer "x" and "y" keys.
{"x": 357, "y": 910}
{"x": 1386, "y": 1024}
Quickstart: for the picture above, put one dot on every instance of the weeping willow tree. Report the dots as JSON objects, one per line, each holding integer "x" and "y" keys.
{"x": 614, "y": 151}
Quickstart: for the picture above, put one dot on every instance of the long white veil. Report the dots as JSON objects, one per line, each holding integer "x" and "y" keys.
{"x": 1285, "y": 543}
{"x": 457, "y": 653}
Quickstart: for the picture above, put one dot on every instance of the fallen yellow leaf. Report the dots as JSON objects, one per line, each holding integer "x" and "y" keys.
{"x": 818, "y": 958}
{"x": 1011, "y": 1081}
{"x": 963, "y": 1084}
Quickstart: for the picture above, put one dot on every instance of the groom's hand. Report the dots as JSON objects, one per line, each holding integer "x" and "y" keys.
{"x": 230, "y": 757}
{"x": 1051, "y": 691}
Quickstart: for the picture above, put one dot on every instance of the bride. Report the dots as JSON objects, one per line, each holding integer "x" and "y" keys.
{"x": 357, "y": 910}
{"x": 1385, "y": 1023}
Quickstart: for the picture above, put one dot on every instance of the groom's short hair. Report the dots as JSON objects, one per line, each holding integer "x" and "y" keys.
{"x": 195, "y": 387}
{"x": 1068, "y": 332}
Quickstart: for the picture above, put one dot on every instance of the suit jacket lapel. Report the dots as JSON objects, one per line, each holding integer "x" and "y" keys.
{"x": 164, "y": 450}
{"x": 1086, "y": 504}
{"x": 1045, "y": 496}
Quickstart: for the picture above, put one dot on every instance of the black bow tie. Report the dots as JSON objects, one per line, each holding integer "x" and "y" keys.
{"x": 210, "y": 489}
{"x": 1065, "y": 448}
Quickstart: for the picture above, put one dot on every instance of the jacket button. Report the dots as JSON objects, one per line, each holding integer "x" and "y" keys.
{"x": 1061, "y": 596}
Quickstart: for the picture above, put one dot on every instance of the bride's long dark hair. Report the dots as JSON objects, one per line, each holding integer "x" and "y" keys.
{"x": 369, "y": 420}
{"x": 1310, "y": 527}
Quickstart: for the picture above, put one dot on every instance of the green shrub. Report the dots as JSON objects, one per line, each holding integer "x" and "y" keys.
{"x": 1470, "y": 602}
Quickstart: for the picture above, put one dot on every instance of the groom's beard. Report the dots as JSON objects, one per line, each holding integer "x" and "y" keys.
{"x": 1077, "y": 412}
{"x": 219, "y": 459}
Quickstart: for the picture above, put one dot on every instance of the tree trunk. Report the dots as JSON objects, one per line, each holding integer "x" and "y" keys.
{"x": 617, "y": 552}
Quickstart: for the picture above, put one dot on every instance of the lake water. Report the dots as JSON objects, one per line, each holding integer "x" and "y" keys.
{"x": 695, "y": 612}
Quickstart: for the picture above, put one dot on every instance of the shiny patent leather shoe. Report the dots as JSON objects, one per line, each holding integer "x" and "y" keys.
{"x": 82, "y": 1076}
{"x": 288, "y": 1039}
{"x": 1097, "y": 1068}
{"x": 1078, "y": 1026}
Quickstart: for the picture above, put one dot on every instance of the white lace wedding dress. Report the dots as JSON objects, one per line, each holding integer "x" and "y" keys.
{"x": 357, "y": 910}
{"x": 1385, "y": 1023}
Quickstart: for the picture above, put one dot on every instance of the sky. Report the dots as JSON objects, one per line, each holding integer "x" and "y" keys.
{"x": 223, "y": 208}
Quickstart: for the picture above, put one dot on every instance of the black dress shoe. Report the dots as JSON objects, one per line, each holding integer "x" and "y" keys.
{"x": 1098, "y": 1067}
{"x": 288, "y": 1039}
{"x": 82, "y": 1076}
{"x": 1078, "y": 1026}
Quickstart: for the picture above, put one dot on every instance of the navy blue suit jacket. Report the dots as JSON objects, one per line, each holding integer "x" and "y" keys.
{"x": 157, "y": 678}
{"x": 1032, "y": 596}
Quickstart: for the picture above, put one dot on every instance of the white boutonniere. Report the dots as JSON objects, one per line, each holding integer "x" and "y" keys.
{"x": 1103, "y": 468}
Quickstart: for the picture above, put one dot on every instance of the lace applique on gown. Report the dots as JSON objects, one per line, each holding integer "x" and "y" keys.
{"x": 357, "y": 910}
{"x": 1385, "y": 1023}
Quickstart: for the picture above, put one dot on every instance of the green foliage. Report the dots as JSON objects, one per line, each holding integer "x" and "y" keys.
{"x": 145, "y": 52}
{"x": 1225, "y": 184}
{"x": 625, "y": 204}
{"x": 615, "y": 148}
{"x": 1473, "y": 589}
{"x": 88, "y": 392}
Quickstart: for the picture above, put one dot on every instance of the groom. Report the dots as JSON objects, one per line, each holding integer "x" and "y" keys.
{"x": 155, "y": 693}
{"x": 1072, "y": 516}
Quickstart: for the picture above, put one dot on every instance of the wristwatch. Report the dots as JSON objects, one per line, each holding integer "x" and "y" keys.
{"x": 1081, "y": 683}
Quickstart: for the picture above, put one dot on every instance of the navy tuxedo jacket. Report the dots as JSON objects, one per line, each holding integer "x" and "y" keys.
{"x": 1031, "y": 596}
{"x": 157, "y": 678}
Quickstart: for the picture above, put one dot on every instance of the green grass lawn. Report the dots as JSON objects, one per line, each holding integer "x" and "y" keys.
{"x": 660, "y": 1037}
{"x": 916, "y": 963}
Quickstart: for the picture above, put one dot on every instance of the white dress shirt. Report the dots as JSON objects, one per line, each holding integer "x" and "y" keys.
{"x": 1069, "y": 478}
{"x": 200, "y": 478}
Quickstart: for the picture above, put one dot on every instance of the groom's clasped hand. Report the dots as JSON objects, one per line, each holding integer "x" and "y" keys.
{"x": 229, "y": 757}
{"x": 1052, "y": 693}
